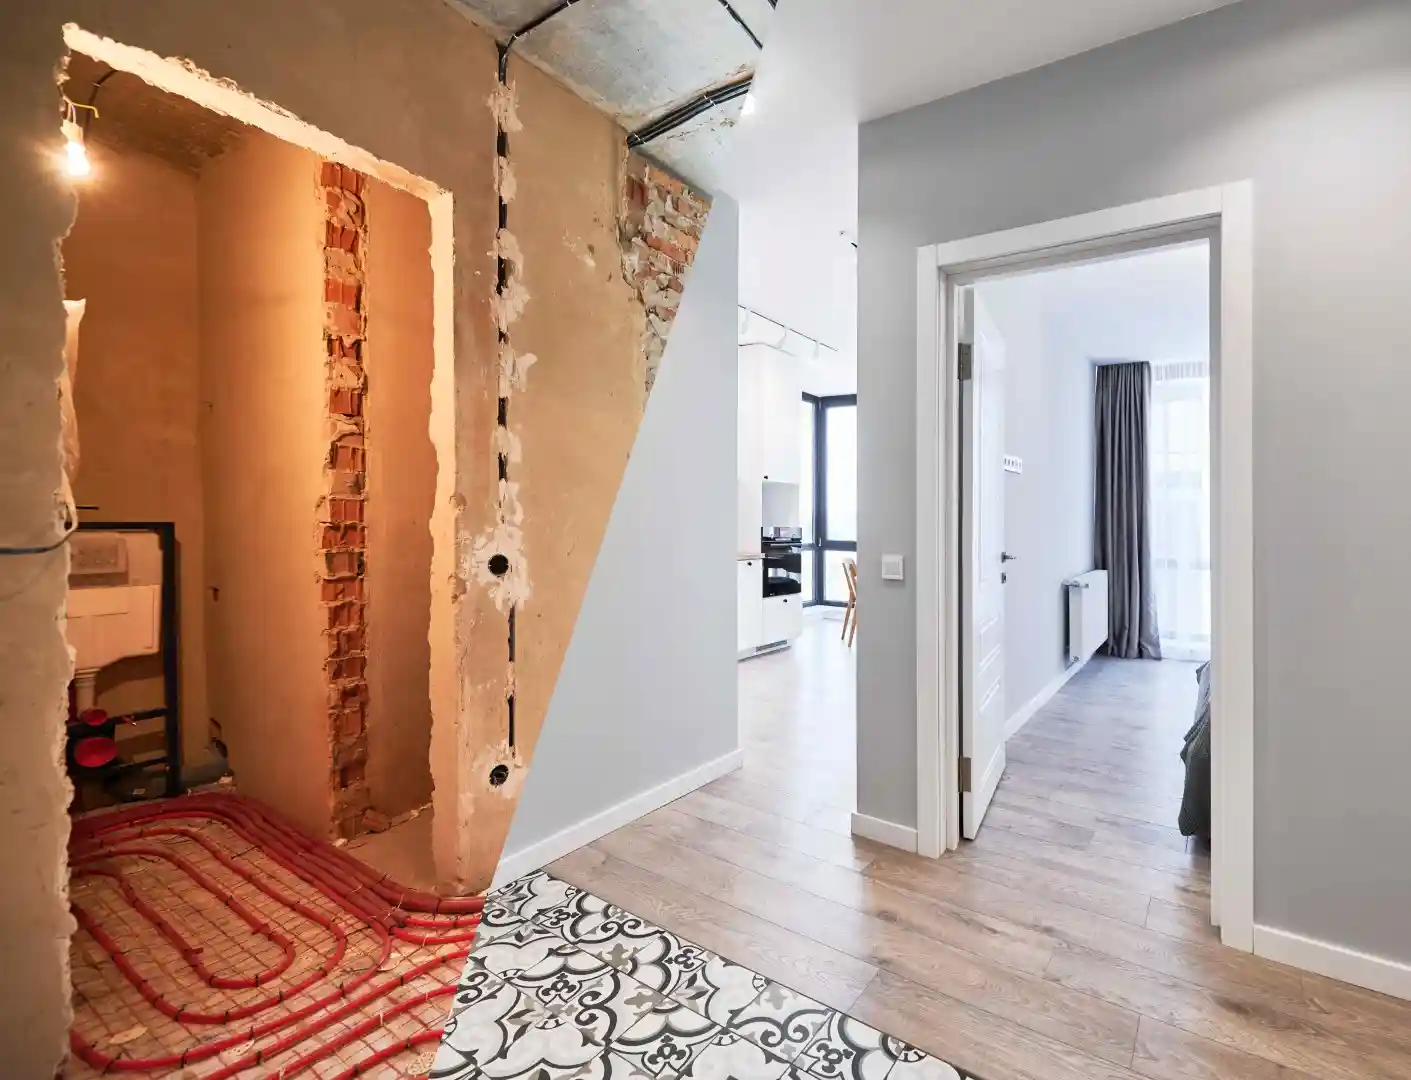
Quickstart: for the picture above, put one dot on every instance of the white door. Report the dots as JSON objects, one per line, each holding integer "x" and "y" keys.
{"x": 982, "y": 706}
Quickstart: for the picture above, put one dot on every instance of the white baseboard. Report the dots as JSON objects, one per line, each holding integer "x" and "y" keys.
{"x": 1038, "y": 701}
{"x": 884, "y": 832}
{"x": 518, "y": 863}
{"x": 1336, "y": 962}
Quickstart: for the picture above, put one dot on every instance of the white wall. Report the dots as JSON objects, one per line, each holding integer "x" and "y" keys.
{"x": 1048, "y": 507}
{"x": 1310, "y": 100}
{"x": 794, "y": 171}
{"x": 648, "y": 688}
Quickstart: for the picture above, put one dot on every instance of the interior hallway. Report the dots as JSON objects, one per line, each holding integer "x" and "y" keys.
{"x": 1070, "y": 942}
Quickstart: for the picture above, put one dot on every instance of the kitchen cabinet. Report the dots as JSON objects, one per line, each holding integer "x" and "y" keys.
{"x": 771, "y": 393}
{"x": 749, "y": 585}
{"x": 782, "y": 618}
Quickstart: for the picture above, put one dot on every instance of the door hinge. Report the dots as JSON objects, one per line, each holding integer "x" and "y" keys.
{"x": 965, "y": 362}
{"x": 965, "y": 775}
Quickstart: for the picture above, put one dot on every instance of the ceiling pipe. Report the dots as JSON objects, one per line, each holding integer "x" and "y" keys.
{"x": 689, "y": 111}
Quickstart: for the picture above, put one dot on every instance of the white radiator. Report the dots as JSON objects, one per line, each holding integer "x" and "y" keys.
{"x": 1087, "y": 615}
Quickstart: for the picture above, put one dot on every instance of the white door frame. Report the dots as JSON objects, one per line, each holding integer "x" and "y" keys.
{"x": 1228, "y": 213}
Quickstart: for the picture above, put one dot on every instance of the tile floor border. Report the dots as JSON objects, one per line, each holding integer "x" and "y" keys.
{"x": 571, "y": 987}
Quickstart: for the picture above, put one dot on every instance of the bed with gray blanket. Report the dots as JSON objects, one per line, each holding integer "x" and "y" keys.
{"x": 1195, "y": 802}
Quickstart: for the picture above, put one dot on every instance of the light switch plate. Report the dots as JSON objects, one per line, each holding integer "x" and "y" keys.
{"x": 1013, "y": 464}
{"x": 893, "y": 567}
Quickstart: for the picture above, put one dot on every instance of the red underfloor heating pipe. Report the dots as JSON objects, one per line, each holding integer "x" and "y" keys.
{"x": 391, "y": 912}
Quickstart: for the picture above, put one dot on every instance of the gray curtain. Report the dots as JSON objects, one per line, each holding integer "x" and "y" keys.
{"x": 1122, "y": 501}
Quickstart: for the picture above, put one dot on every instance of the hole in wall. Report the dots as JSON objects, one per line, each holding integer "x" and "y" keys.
{"x": 160, "y": 112}
{"x": 499, "y": 774}
{"x": 499, "y": 564}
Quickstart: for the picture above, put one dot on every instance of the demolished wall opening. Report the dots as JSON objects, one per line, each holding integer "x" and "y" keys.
{"x": 258, "y": 347}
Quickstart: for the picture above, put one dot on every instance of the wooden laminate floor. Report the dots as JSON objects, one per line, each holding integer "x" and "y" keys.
{"x": 1071, "y": 941}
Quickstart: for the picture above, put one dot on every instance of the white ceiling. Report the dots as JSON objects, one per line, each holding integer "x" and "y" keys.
{"x": 914, "y": 51}
{"x": 793, "y": 167}
{"x": 830, "y": 64}
{"x": 1149, "y": 306}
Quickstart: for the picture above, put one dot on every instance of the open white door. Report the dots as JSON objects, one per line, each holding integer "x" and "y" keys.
{"x": 982, "y": 572}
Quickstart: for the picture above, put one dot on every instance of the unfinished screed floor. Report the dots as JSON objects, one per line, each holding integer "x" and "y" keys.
{"x": 1070, "y": 942}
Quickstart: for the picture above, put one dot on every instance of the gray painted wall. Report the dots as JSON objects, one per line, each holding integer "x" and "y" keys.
{"x": 648, "y": 687}
{"x": 1312, "y": 100}
{"x": 1048, "y": 507}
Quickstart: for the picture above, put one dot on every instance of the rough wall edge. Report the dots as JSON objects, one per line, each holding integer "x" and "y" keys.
{"x": 445, "y": 635}
{"x": 181, "y": 77}
{"x": 34, "y": 787}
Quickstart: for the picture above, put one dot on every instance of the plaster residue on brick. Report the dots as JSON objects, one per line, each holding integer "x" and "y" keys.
{"x": 660, "y": 227}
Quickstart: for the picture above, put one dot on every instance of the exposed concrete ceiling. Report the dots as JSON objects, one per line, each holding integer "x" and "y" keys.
{"x": 136, "y": 116}
{"x": 639, "y": 60}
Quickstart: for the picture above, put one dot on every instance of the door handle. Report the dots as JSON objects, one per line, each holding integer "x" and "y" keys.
{"x": 1005, "y": 556}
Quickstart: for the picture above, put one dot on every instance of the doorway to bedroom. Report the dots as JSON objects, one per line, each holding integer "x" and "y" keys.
{"x": 1086, "y": 583}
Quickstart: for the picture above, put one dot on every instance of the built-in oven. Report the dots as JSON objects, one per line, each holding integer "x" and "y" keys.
{"x": 782, "y": 551}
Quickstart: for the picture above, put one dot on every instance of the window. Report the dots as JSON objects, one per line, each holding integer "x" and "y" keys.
{"x": 828, "y": 496}
{"x": 841, "y": 457}
{"x": 1180, "y": 507}
{"x": 806, "y": 477}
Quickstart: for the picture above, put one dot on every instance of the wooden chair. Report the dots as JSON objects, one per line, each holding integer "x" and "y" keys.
{"x": 850, "y": 615}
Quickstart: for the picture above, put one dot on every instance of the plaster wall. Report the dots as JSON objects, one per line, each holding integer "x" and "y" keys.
{"x": 263, "y": 443}
{"x": 648, "y": 692}
{"x": 400, "y": 90}
{"x": 401, "y": 474}
{"x": 132, "y": 255}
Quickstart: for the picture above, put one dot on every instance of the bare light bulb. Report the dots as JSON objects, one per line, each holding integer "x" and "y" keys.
{"x": 76, "y": 161}
{"x": 749, "y": 106}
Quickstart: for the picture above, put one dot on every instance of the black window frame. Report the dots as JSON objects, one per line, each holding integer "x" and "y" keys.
{"x": 821, "y": 542}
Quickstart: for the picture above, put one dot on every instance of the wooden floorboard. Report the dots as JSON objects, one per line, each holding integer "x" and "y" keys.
{"x": 1071, "y": 941}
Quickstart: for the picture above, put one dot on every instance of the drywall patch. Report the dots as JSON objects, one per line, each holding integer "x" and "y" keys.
{"x": 343, "y": 510}
{"x": 660, "y": 225}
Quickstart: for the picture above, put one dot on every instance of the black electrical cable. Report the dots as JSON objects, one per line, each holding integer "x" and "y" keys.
{"x": 533, "y": 24}
{"x": 90, "y": 111}
{"x": 743, "y": 25}
{"x": 689, "y": 111}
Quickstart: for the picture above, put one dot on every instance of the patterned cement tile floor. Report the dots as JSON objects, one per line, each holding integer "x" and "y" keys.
{"x": 562, "y": 985}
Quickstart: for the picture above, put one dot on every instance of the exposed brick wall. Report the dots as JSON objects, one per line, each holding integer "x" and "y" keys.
{"x": 343, "y": 510}
{"x": 660, "y": 229}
